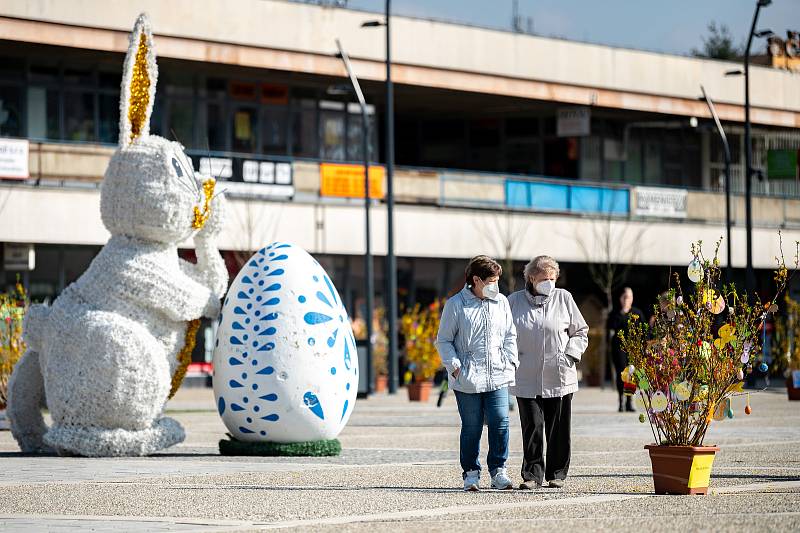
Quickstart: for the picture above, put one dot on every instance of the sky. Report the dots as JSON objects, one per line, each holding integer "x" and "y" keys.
{"x": 670, "y": 26}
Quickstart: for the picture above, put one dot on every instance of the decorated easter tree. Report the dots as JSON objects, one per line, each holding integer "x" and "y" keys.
{"x": 419, "y": 327}
{"x": 12, "y": 310}
{"x": 686, "y": 366}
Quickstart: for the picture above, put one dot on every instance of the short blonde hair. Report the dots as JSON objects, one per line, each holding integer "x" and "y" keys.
{"x": 542, "y": 263}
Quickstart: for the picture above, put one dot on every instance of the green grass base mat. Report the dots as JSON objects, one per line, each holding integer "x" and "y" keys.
{"x": 315, "y": 448}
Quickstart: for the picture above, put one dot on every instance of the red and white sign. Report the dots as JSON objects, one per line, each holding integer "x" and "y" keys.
{"x": 14, "y": 159}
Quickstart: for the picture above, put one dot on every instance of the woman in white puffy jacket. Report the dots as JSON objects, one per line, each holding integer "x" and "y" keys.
{"x": 551, "y": 337}
{"x": 477, "y": 343}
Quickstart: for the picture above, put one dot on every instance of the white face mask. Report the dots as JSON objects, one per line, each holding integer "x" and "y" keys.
{"x": 545, "y": 287}
{"x": 491, "y": 290}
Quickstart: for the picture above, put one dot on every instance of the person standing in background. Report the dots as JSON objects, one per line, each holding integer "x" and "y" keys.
{"x": 617, "y": 323}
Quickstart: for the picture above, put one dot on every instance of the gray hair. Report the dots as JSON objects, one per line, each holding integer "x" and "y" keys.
{"x": 542, "y": 263}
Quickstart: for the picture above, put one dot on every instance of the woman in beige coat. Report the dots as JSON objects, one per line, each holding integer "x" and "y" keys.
{"x": 551, "y": 337}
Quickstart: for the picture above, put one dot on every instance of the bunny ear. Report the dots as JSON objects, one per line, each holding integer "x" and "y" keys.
{"x": 138, "y": 84}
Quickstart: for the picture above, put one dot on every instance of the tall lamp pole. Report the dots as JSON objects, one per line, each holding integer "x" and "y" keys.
{"x": 748, "y": 148}
{"x": 370, "y": 289}
{"x": 727, "y": 149}
{"x": 391, "y": 260}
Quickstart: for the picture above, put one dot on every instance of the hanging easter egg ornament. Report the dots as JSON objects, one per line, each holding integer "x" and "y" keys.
{"x": 740, "y": 374}
{"x": 705, "y": 350}
{"x": 659, "y": 402}
{"x": 747, "y": 409}
{"x": 728, "y": 408}
{"x": 763, "y": 367}
{"x": 682, "y": 390}
{"x": 638, "y": 400}
{"x": 642, "y": 418}
{"x": 773, "y": 309}
{"x": 748, "y": 345}
{"x": 695, "y": 270}
{"x": 285, "y": 364}
{"x": 720, "y": 409}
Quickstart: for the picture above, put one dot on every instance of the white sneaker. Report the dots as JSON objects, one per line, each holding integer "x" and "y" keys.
{"x": 500, "y": 480}
{"x": 472, "y": 481}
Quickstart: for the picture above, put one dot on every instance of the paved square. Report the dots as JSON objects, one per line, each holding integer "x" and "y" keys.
{"x": 399, "y": 470}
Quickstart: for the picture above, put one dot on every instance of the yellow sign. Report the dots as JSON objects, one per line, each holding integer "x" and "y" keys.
{"x": 700, "y": 473}
{"x": 348, "y": 180}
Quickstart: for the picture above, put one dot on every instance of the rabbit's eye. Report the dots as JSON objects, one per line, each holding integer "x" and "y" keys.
{"x": 177, "y": 166}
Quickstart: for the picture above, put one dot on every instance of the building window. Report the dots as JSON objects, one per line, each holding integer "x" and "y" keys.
{"x": 355, "y": 126}
{"x": 214, "y": 127}
{"x": 304, "y": 128}
{"x": 274, "y": 122}
{"x": 108, "y": 118}
{"x": 180, "y": 121}
{"x": 79, "y": 116}
{"x": 43, "y": 113}
{"x": 244, "y": 129}
{"x": 332, "y": 124}
{"x": 10, "y": 111}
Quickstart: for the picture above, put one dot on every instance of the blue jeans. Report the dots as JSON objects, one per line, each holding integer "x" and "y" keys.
{"x": 473, "y": 408}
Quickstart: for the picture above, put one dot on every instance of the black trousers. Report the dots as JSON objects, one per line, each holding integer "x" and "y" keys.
{"x": 620, "y": 360}
{"x": 550, "y": 418}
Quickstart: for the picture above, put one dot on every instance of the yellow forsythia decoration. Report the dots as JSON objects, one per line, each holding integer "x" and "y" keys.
{"x": 419, "y": 326}
{"x": 12, "y": 310}
{"x": 185, "y": 356}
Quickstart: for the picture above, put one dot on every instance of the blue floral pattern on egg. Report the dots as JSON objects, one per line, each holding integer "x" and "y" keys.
{"x": 285, "y": 363}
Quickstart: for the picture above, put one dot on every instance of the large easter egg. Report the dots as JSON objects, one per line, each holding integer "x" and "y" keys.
{"x": 285, "y": 362}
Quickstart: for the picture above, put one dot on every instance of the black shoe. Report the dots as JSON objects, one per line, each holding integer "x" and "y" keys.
{"x": 629, "y": 406}
{"x": 621, "y": 409}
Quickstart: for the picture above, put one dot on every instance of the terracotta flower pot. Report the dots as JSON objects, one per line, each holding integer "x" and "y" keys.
{"x": 419, "y": 391}
{"x": 681, "y": 469}
{"x": 381, "y": 383}
{"x": 791, "y": 390}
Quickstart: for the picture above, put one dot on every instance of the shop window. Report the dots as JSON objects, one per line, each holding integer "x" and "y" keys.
{"x": 10, "y": 111}
{"x": 43, "y": 113}
{"x": 156, "y": 119}
{"x": 591, "y": 158}
{"x": 177, "y": 83}
{"x": 304, "y": 128}
{"x": 442, "y": 142}
{"x": 180, "y": 121}
{"x": 652, "y": 162}
{"x": 355, "y": 126}
{"x": 44, "y": 73}
{"x": 214, "y": 88}
{"x": 79, "y": 116}
{"x": 109, "y": 118}
{"x": 332, "y": 124}
{"x": 110, "y": 80}
{"x": 79, "y": 76}
{"x": 214, "y": 127}
{"x": 274, "y": 121}
{"x": 12, "y": 68}
{"x": 244, "y": 130}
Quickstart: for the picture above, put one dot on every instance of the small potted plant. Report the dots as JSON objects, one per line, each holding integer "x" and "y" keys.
{"x": 380, "y": 350}
{"x": 685, "y": 368}
{"x": 419, "y": 327}
{"x": 786, "y": 348}
{"x": 13, "y": 305}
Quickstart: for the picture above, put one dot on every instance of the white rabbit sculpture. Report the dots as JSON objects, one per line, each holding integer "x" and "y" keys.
{"x": 103, "y": 357}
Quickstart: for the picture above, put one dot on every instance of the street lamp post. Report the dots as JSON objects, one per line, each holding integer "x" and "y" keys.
{"x": 748, "y": 186}
{"x": 391, "y": 260}
{"x": 727, "y": 149}
{"x": 368, "y": 273}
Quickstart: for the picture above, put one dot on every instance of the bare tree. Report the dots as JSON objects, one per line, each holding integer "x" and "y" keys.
{"x": 256, "y": 225}
{"x": 505, "y": 231}
{"x": 610, "y": 249}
